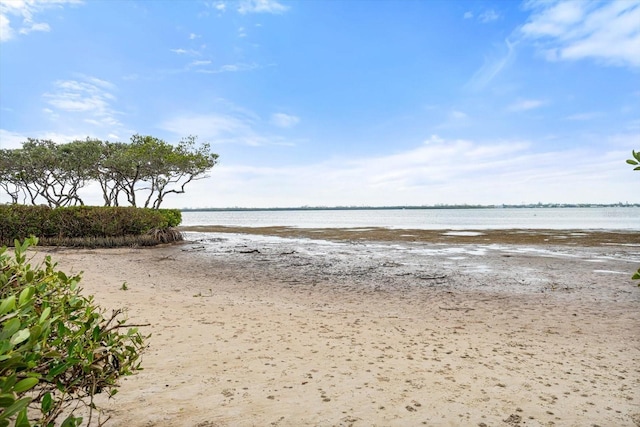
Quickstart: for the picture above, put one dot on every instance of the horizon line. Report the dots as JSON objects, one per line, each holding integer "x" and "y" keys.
{"x": 438, "y": 206}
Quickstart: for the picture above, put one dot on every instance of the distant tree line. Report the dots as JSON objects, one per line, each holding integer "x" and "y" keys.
{"x": 140, "y": 173}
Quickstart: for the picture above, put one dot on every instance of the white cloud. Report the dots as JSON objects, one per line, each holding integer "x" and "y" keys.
{"x": 207, "y": 126}
{"x": 9, "y": 139}
{"x": 608, "y": 32}
{"x": 193, "y": 36}
{"x": 189, "y": 52}
{"x": 230, "y": 68}
{"x": 457, "y": 115}
{"x": 88, "y": 96}
{"x": 261, "y": 6}
{"x": 437, "y": 171}
{"x": 584, "y": 116}
{"x": 468, "y": 15}
{"x": 6, "y": 32}
{"x": 488, "y": 16}
{"x": 199, "y": 63}
{"x": 526, "y": 104}
{"x": 236, "y": 126}
{"x": 42, "y": 26}
{"x": 220, "y": 7}
{"x": 492, "y": 67}
{"x": 24, "y": 12}
{"x": 284, "y": 120}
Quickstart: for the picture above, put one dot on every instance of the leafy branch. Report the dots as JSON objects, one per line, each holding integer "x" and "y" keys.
{"x": 57, "y": 349}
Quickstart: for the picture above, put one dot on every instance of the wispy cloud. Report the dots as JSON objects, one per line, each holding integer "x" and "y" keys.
{"x": 488, "y": 16}
{"x": 189, "y": 52}
{"x": 236, "y": 126}
{"x": 493, "y": 66}
{"x": 25, "y": 13}
{"x": 230, "y": 68}
{"x": 10, "y": 140}
{"x": 89, "y": 96}
{"x": 457, "y": 115}
{"x": 199, "y": 63}
{"x": 484, "y": 17}
{"x": 608, "y": 32}
{"x": 435, "y": 171}
{"x": 208, "y": 126}
{"x": 283, "y": 120}
{"x": 526, "y": 104}
{"x": 261, "y": 6}
{"x": 584, "y": 116}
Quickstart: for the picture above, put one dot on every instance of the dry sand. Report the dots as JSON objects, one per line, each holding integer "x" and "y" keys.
{"x": 265, "y": 331}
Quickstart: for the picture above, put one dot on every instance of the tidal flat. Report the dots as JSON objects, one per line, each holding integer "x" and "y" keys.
{"x": 327, "y": 327}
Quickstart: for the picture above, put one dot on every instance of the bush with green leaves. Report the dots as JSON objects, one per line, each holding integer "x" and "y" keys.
{"x": 57, "y": 348}
{"x": 68, "y": 226}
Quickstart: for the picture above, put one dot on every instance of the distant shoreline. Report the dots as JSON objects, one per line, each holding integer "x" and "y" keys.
{"x": 363, "y": 208}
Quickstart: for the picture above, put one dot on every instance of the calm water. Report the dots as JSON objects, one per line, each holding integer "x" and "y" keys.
{"x": 435, "y": 219}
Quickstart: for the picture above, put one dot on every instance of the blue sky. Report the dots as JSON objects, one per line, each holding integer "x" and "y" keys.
{"x": 342, "y": 102}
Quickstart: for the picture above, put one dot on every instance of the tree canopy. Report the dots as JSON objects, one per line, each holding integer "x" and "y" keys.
{"x": 140, "y": 173}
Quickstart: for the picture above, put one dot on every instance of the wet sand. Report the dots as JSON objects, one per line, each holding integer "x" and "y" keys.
{"x": 255, "y": 330}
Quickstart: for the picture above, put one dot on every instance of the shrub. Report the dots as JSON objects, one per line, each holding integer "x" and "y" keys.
{"x": 172, "y": 216}
{"x": 57, "y": 349}
{"x": 77, "y": 223}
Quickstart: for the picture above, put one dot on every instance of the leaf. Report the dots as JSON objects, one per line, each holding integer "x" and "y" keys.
{"x": 16, "y": 407}
{"x": 632, "y": 162}
{"x": 25, "y": 384}
{"x": 7, "y": 305}
{"x": 10, "y": 328}
{"x": 71, "y": 421}
{"x": 57, "y": 370}
{"x": 45, "y": 313}
{"x": 6, "y": 400}
{"x": 46, "y": 402}
{"x": 20, "y": 336}
{"x": 637, "y": 168}
{"x": 22, "y": 420}
{"x": 26, "y": 295}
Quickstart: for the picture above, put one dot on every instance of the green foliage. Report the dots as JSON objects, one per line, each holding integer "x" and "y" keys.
{"x": 143, "y": 172}
{"x": 82, "y": 222}
{"x": 172, "y": 216}
{"x": 635, "y": 161}
{"x": 57, "y": 349}
{"x": 636, "y": 276}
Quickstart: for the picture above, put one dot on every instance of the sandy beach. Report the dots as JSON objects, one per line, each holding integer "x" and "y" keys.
{"x": 260, "y": 330}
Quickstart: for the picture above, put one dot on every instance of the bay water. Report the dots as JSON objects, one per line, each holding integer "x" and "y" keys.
{"x": 596, "y": 218}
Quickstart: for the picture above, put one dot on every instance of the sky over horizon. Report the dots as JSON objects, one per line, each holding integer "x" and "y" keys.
{"x": 342, "y": 102}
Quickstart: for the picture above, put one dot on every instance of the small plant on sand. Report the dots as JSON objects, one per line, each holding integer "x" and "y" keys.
{"x": 636, "y": 276}
{"x": 57, "y": 349}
